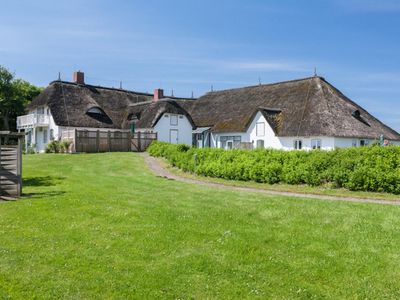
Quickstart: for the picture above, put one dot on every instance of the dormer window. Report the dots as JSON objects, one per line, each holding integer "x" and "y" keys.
{"x": 95, "y": 110}
{"x": 98, "y": 114}
{"x": 134, "y": 117}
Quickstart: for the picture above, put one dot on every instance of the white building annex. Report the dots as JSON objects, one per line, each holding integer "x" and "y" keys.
{"x": 303, "y": 114}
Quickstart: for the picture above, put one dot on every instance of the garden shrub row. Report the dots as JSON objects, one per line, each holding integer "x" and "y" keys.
{"x": 371, "y": 168}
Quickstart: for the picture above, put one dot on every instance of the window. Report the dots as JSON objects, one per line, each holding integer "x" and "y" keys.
{"x": 298, "y": 144}
{"x": 354, "y": 143}
{"x": 40, "y": 110}
{"x": 315, "y": 144}
{"x": 260, "y": 129}
{"x": 364, "y": 143}
{"x": 260, "y": 143}
{"x": 95, "y": 110}
{"x": 45, "y": 136}
{"x": 98, "y": 114}
{"x": 173, "y": 120}
{"x": 51, "y": 134}
{"x": 229, "y": 142}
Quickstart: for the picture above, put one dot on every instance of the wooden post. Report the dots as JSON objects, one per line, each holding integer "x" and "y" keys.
{"x": 98, "y": 141}
{"x": 128, "y": 141}
{"x": 75, "y": 140}
{"x": 139, "y": 142}
{"x": 19, "y": 167}
{"x": 109, "y": 140}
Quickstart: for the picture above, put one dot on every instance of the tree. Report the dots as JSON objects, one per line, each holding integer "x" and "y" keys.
{"x": 15, "y": 95}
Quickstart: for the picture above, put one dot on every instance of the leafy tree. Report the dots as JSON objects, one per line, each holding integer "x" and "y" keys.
{"x": 15, "y": 95}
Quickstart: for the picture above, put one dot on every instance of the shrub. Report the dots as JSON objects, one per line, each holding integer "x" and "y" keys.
{"x": 53, "y": 147}
{"x": 366, "y": 169}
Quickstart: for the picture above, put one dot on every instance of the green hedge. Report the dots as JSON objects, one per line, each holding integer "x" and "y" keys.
{"x": 371, "y": 168}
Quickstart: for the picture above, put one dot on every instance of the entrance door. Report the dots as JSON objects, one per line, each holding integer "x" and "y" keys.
{"x": 173, "y": 136}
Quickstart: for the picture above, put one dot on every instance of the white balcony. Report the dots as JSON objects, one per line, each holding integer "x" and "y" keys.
{"x": 32, "y": 121}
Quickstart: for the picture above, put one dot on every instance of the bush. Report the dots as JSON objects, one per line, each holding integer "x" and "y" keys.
{"x": 58, "y": 147}
{"x": 53, "y": 147}
{"x": 365, "y": 169}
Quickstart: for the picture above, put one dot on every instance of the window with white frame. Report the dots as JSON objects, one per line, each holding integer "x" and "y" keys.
{"x": 229, "y": 142}
{"x": 260, "y": 129}
{"x": 316, "y": 144}
{"x": 298, "y": 144}
{"x": 354, "y": 143}
{"x": 173, "y": 120}
{"x": 364, "y": 143}
{"x": 51, "y": 134}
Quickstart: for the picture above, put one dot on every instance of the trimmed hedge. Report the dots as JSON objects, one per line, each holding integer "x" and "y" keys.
{"x": 371, "y": 168}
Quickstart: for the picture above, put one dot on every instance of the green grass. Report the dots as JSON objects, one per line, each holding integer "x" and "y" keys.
{"x": 325, "y": 190}
{"x": 102, "y": 226}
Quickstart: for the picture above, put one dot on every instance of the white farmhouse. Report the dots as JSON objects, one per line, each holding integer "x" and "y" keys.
{"x": 64, "y": 106}
{"x": 300, "y": 114}
{"x": 305, "y": 114}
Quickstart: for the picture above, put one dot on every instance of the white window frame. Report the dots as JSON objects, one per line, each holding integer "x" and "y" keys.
{"x": 298, "y": 144}
{"x": 260, "y": 131}
{"x": 227, "y": 143}
{"x": 172, "y": 120}
{"x": 316, "y": 144}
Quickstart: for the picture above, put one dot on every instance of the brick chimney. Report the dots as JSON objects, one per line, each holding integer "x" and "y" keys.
{"x": 79, "y": 77}
{"x": 158, "y": 94}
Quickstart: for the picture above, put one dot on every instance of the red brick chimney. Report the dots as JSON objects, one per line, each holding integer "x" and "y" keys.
{"x": 79, "y": 77}
{"x": 158, "y": 94}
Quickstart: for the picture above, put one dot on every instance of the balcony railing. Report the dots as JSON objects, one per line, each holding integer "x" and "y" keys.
{"x": 32, "y": 120}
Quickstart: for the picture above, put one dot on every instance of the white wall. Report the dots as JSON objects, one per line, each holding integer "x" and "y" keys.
{"x": 269, "y": 138}
{"x": 216, "y": 142}
{"x": 327, "y": 143}
{"x": 184, "y": 128}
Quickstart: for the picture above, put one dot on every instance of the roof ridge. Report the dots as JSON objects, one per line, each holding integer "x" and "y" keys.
{"x": 113, "y": 89}
{"x": 266, "y": 84}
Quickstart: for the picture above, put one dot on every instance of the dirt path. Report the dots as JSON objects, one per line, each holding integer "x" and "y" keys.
{"x": 156, "y": 167}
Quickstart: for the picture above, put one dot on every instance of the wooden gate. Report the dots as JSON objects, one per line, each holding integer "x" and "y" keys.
{"x": 141, "y": 140}
{"x": 11, "y": 164}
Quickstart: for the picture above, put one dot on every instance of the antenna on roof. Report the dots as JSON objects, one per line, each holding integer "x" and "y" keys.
{"x": 259, "y": 80}
{"x": 192, "y": 95}
{"x": 120, "y": 85}
{"x": 212, "y": 88}
{"x": 315, "y": 71}
{"x": 59, "y": 76}
{"x": 172, "y": 93}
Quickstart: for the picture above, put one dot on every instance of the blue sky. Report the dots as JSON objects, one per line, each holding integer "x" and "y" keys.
{"x": 189, "y": 45}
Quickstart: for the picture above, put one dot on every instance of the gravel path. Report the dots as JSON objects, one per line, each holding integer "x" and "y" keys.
{"x": 156, "y": 167}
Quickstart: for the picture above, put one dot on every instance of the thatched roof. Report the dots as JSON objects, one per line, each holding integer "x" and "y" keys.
{"x": 80, "y": 98}
{"x": 305, "y": 107}
{"x": 147, "y": 114}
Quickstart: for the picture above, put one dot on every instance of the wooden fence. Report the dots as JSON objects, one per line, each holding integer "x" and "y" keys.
{"x": 107, "y": 141}
{"x": 11, "y": 164}
{"x": 141, "y": 140}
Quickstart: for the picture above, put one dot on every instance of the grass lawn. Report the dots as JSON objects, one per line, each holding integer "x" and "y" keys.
{"x": 102, "y": 226}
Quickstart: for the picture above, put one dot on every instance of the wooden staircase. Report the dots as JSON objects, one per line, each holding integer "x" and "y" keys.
{"x": 10, "y": 171}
